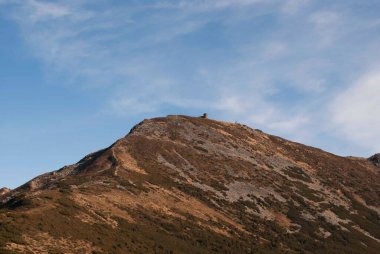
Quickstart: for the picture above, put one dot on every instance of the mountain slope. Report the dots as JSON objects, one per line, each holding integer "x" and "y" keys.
{"x": 180, "y": 184}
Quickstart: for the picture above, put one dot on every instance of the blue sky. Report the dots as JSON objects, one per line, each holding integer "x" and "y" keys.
{"x": 77, "y": 75}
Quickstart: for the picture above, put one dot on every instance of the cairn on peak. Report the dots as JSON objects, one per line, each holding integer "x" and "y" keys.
{"x": 205, "y": 115}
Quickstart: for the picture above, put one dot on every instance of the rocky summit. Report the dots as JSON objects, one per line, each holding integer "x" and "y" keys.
{"x": 180, "y": 184}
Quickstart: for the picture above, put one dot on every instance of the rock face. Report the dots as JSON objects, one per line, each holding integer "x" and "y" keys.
{"x": 4, "y": 191}
{"x": 180, "y": 184}
{"x": 375, "y": 159}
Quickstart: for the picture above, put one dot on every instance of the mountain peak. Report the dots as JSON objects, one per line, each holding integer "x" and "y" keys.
{"x": 165, "y": 126}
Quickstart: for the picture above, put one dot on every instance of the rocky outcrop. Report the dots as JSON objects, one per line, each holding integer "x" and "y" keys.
{"x": 4, "y": 191}
{"x": 375, "y": 159}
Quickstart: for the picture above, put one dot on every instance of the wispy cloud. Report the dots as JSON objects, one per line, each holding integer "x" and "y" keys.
{"x": 293, "y": 6}
{"x": 327, "y": 25}
{"x": 46, "y": 11}
{"x": 208, "y": 5}
{"x": 276, "y": 64}
{"x": 274, "y": 50}
{"x": 354, "y": 111}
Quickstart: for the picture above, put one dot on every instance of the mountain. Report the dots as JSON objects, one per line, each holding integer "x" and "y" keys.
{"x": 180, "y": 184}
